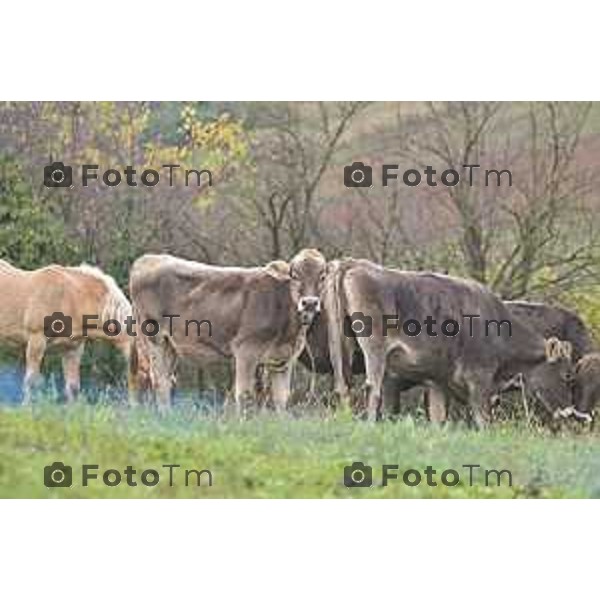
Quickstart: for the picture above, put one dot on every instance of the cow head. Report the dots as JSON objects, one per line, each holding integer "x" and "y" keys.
{"x": 587, "y": 387}
{"x": 307, "y": 270}
{"x": 583, "y": 410}
{"x": 551, "y": 382}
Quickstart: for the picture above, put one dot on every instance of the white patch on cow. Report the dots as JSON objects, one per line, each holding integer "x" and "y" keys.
{"x": 582, "y": 415}
{"x": 409, "y": 356}
{"x": 309, "y": 303}
{"x": 563, "y": 413}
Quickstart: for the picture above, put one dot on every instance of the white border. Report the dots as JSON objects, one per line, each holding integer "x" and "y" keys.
{"x": 313, "y": 50}
{"x": 297, "y": 51}
{"x": 298, "y": 549}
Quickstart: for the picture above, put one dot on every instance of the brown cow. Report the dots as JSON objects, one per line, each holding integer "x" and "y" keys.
{"x": 469, "y": 365}
{"x": 549, "y": 321}
{"x": 45, "y": 308}
{"x": 257, "y": 316}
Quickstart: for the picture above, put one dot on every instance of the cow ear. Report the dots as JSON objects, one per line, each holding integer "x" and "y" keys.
{"x": 567, "y": 349}
{"x": 553, "y": 349}
{"x": 279, "y": 268}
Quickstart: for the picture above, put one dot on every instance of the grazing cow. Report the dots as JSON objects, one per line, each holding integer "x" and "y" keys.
{"x": 547, "y": 320}
{"x": 469, "y": 366}
{"x": 257, "y": 316}
{"x": 32, "y": 307}
{"x": 587, "y": 387}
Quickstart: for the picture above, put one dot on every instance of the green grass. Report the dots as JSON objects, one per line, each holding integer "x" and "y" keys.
{"x": 287, "y": 457}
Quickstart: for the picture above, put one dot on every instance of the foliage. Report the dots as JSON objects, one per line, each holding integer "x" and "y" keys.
{"x": 586, "y": 303}
{"x": 30, "y": 233}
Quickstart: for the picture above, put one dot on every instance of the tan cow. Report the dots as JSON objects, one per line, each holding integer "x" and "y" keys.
{"x": 45, "y": 308}
{"x": 257, "y": 316}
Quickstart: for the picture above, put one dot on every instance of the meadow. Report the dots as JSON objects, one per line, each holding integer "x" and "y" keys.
{"x": 279, "y": 187}
{"x": 300, "y": 455}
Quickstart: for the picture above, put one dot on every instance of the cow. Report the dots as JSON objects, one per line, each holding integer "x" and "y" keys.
{"x": 257, "y": 316}
{"x": 45, "y": 308}
{"x": 465, "y": 366}
{"x": 549, "y": 321}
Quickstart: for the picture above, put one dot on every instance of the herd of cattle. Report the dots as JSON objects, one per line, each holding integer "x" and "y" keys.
{"x": 269, "y": 318}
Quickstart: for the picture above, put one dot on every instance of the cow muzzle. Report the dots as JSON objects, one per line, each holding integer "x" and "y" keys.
{"x": 308, "y": 308}
{"x": 582, "y": 417}
{"x": 563, "y": 413}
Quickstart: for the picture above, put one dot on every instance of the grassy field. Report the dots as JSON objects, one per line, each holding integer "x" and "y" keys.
{"x": 287, "y": 457}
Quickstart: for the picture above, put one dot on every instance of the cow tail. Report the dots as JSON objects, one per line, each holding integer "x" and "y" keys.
{"x": 133, "y": 372}
{"x": 138, "y": 376}
{"x": 335, "y": 321}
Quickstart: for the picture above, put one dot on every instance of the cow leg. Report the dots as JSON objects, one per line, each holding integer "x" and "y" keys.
{"x": 163, "y": 362}
{"x": 263, "y": 394}
{"x": 71, "y": 362}
{"x": 280, "y": 388}
{"x": 167, "y": 376}
{"x": 140, "y": 372}
{"x": 245, "y": 383}
{"x": 480, "y": 392}
{"x": 375, "y": 370}
{"x": 480, "y": 413}
{"x": 436, "y": 405}
{"x": 164, "y": 390}
{"x": 133, "y": 377}
{"x": 342, "y": 385}
{"x": 36, "y": 347}
{"x": 391, "y": 396}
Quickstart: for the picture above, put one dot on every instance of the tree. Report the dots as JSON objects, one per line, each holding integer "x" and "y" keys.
{"x": 291, "y": 151}
{"x": 30, "y": 233}
{"x": 538, "y": 236}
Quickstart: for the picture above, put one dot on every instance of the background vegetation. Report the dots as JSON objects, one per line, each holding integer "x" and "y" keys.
{"x": 278, "y": 187}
